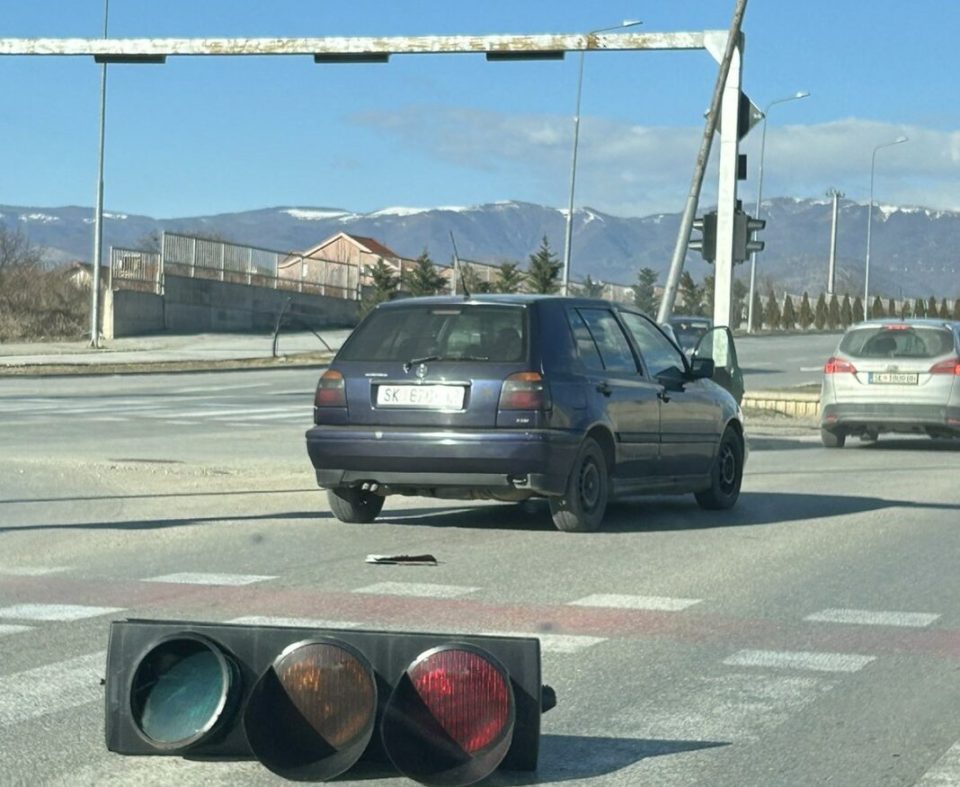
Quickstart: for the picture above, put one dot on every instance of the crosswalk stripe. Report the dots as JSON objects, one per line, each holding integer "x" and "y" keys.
{"x": 945, "y": 771}
{"x": 803, "y": 660}
{"x": 197, "y": 578}
{"x": 31, "y": 571}
{"x": 12, "y": 629}
{"x": 51, "y": 688}
{"x": 616, "y": 601}
{"x": 424, "y": 589}
{"x": 554, "y": 643}
{"x": 873, "y": 618}
{"x": 59, "y": 612}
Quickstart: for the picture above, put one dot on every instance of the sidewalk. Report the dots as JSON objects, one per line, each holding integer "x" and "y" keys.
{"x": 168, "y": 352}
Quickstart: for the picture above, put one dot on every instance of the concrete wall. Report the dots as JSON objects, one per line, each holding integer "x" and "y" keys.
{"x": 191, "y": 305}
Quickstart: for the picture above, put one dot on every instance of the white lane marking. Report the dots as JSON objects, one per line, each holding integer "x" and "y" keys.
{"x": 219, "y": 388}
{"x": 812, "y": 368}
{"x": 298, "y": 414}
{"x": 239, "y": 410}
{"x": 806, "y": 660}
{"x": 617, "y": 601}
{"x": 12, "y": 629}
{"x": 424, "y": 589}
{"x": 31, "y": 571}
{"x": 945, "y": 771}
{"x": 312, "y": 623}
{"x": 62, "y": 612}
{"x": 868, "y": 617}
{"x": 51, "y": 688}
{"x": 190, "y": 578}
{"x": 554, "y": 643}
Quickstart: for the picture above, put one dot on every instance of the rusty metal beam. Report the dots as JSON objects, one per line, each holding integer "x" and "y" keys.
{"x": 395, "y": 45}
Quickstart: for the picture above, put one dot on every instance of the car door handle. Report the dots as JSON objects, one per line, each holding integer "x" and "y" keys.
{"x": 604, "y": 388}
{"x": 663, "y": 396}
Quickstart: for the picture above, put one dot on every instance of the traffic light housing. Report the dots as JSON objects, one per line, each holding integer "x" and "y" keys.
{"x": 706, "y": 244}
{"x": 744, "y": 244}
{"x": 309, "y": 703}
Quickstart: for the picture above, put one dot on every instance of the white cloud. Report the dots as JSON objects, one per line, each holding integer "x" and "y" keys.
{"x": 627, "y": 169}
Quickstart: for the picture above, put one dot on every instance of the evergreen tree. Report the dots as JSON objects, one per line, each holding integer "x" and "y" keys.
{"x": 740, "y": 293}
{"x": 425, "y": 279}
{"x": 956, "y": 308}
{"x": 932, "y": 309}
{"x": 919, "y": 308}
{"x": 856, "y": 311}
{"x": 944, "y": 311}
{"x": 690, "y": 294}
{"x": 820, "y": 313}
{"x": 707, "y": 293}
{"x": 788, "y": 320}
{"x": 757, "y": 312}
{"x": 806, "y": 313}
{"x": 590, "y": 288}
{"x": 846, "y": 312}
{"x": 877, "y": 309}
{"x": 470, "y": 280}
{"x": 892, "y": 308}
{"x": 509, "y": 278}
{"x": 644, "y": 291}
{"x": 771, "y": 315}
{"x": 906, "y": 310}
{"x": 543, "y": 269}
{"x": 834, "y": 318}
{"x": 384, "y": 285}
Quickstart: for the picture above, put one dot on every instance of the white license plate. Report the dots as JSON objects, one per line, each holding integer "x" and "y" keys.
{"x": 893, "y": 378}
{"x": 441, "y": 397}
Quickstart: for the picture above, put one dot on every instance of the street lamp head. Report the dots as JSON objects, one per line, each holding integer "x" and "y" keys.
{"x": 801, "y": 94}
{"x": 900, "y": 139}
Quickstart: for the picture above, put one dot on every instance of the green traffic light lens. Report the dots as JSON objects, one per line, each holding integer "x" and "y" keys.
{"x": 180, "y": 691}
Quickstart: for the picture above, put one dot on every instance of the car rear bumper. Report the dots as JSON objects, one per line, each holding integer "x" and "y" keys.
{"x": 890, "y": 417}
{"x": 535, "y": 460}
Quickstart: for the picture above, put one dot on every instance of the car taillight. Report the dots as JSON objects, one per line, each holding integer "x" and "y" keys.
{"x": 836, "y": 365}
{"x": 450, "y": 719}
{"x": 330, "y": 390}
{"x": 524, "y": 391}
{"x": 949, "y": 366}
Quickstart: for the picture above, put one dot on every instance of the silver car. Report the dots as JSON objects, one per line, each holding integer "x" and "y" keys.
{"x": 892, "y": 376}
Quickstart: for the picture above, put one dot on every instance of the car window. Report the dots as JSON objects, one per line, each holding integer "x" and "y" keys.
{"x": 689, "y": 332}
{"x": 898, "y": 340}
{"x": 458, "y": 332}
{"x": 610, "y": 340}
{"x": 583, "y": 340}
{"x": 659, "y": 353}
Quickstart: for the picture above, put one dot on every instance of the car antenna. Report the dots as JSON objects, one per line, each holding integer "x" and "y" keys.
{"x": 457, "y": 270}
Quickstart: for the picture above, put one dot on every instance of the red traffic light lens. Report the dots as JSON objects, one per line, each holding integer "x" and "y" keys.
{"x": 181, "y": 690}
{"x": 450, "y": 719}
{"x": 311, "y": 714}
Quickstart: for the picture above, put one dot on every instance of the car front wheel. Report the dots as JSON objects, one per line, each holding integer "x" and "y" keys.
{"x": 726, "y": 474}
{"x": 581, "y": 508}
{"x": 354, "y": 505}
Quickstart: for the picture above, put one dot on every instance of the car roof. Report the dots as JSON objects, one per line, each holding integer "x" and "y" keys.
{"x": 930, "y": 322}
{"x": 520, "y": 299}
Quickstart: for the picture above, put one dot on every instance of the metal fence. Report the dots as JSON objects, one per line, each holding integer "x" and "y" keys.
{"x": 132, "y": 269}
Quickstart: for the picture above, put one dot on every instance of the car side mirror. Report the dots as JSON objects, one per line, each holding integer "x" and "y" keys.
{"x": 702, "y": 368}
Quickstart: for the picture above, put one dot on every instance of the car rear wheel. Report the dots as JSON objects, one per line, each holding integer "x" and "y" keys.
{"x": 354, "y": 505}
{"x": 832, "y": 439}
{"x": 726, "y": 474}
{"x": 581, "y": 508}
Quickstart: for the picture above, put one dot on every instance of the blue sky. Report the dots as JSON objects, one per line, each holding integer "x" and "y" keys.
{"x": 205, "y": 135}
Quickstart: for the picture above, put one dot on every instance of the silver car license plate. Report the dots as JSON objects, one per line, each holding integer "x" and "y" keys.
{"x": 893, "y": 378}
{"x": 441, "y": 397}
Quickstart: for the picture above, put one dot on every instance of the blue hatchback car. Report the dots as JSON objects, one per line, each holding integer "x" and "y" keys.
{"x": 509, "y": 397}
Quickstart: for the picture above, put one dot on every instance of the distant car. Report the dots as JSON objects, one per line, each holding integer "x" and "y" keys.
{"x": 892, "y": 376}
{"x": 509, "y": 397}
{"x": 689, "y": 330}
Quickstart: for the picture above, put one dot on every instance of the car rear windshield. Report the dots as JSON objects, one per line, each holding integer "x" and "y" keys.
{"x": 462, "y": 332}
{"x": 898, "y": 341}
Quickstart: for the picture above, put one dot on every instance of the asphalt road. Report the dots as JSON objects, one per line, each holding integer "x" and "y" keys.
{"x": 810, "y": 636}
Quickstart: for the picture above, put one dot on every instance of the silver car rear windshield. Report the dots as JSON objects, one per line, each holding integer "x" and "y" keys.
{"x": 450, "y": 333}
{"x": 898, "y": 341}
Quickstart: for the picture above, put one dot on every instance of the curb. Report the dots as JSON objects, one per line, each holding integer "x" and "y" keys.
{"x": 797, "y": 404}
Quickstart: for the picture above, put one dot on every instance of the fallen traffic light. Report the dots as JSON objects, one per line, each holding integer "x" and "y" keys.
{"x": 444, "y": 709}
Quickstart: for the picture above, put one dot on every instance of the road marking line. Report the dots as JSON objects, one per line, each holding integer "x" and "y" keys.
{"x": 424, "y": 589}
{"x": 61, "y": 612}
{"x": 618, "y": 601}
{"x": 554, "y": 643}
{"x": 312, "y": 623}
{"x": 51, "y": 688}
{"x": 945, "y": 771}
{"x": 31, "y": 571}
{"x": 868, "y": 617}
{"x": 189, "y": 578}
{"x": 12, "y": 629}
{"x": 811, "y": 368}
{"x": 819, "y": 662}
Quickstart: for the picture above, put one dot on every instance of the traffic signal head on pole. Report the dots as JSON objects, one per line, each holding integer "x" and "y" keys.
{"x": 443, "y": 709}
{"x": 706, "y": 244}
{"x": 744, "y": 244}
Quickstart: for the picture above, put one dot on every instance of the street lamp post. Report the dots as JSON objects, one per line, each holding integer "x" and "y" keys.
{"x": 98, "y": 210}
{"x": 866, "y": 275}
{"x": 568, "y": 233}
{"x": 763, "y": 146}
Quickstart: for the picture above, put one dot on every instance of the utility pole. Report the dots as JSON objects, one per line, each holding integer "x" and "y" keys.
{"x": 832, "y": 269}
